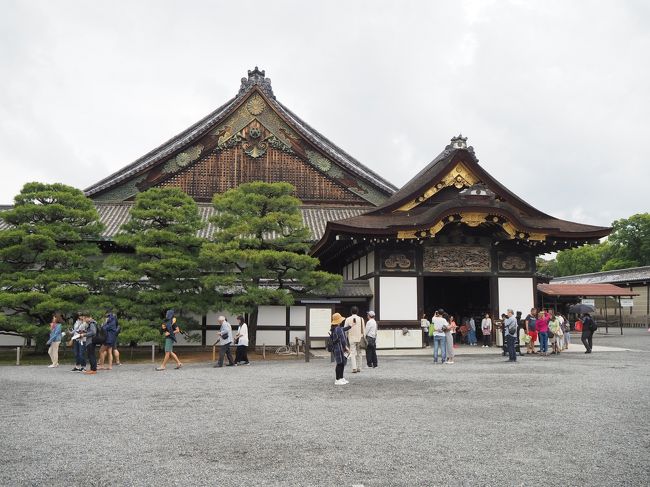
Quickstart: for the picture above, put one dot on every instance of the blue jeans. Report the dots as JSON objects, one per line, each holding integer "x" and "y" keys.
{"x": 472, "y": 337}
{"x": 79, "y": 353}
{"x": 439, "y": 342}
{"x": 512, "y": 353}
{"x": 543, "y": 341}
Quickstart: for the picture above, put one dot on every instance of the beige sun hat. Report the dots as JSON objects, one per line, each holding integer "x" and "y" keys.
{"x": 337, "y": 318}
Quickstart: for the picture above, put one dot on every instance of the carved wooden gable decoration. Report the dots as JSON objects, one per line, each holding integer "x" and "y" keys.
{"x": 256, "y": 139}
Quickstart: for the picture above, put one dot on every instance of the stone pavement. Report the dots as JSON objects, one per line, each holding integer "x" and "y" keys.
{"x": 572, "y": 419}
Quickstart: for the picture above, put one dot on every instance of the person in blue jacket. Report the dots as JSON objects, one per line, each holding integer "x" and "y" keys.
{"x": 339, "y": 347}
{"x": 110, "y": 329}
{"x": 55, "y": 339}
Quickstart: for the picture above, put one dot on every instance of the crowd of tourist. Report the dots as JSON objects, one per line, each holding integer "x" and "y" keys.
{"x": 86, "y": 334}
{"x": 348, "y": 338}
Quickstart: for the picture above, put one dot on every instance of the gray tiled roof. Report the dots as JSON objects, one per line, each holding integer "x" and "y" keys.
{"x": 114, "y": 215}
{"x": 616, "y": 276}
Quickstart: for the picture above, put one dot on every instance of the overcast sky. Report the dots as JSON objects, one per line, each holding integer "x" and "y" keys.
{"x": 553, "y": 95}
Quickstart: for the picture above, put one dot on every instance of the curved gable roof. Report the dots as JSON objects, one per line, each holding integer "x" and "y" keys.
{"x": 255, "y": 82}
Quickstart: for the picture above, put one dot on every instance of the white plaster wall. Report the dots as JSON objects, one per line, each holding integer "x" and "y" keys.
{"x": 272, "y": 315}
{"x": 412, "y": 340}
{"x": 398, "y": 298}
{"x": 271, "y": 337}
{"x": 298, "y": 315}
{"x": 385, "y": 339}
{"x": 516, "y": 293}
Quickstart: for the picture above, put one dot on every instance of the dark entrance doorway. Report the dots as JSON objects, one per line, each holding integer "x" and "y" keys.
{"x": 461, "y": 297}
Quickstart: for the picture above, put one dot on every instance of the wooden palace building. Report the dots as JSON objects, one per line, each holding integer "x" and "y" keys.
{"x": 453, "y": 237}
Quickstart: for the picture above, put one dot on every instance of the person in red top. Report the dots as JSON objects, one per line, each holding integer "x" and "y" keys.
{"x": 542, "y": 328}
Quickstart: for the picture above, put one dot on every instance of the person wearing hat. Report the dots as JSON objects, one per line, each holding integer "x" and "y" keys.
{"x": 339, "y": 347}
{"x": 371, "y": 339}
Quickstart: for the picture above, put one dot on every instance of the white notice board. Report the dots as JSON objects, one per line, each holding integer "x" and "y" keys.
{"x": 319, "y": 322}
{"x": 588, "y": 302}
{"x": 627, "y": 302}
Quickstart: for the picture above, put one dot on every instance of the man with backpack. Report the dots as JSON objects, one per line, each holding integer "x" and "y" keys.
{"x": 588, "y": 328}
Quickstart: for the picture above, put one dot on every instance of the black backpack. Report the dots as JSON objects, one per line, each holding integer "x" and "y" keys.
{"x": 329, "y": 346}
{"x": 592, "y": 324}
{"x": 100, "y": 335}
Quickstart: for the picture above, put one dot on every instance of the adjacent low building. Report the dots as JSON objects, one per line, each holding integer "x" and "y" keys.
{"x": 635, "y": 309}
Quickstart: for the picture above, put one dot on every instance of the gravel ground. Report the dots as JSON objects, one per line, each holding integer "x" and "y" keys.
{"x": 570, "y": 420}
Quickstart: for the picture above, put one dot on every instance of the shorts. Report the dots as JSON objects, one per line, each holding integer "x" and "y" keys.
{"x": 109, "y": 345}
{"x": 533, "y": 336}
{"x": 169, "y": 345}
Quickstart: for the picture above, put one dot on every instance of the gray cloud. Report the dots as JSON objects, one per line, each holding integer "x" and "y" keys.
{"x": 553, "y": 95}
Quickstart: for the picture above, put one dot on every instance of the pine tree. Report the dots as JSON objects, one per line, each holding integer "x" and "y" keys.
{"x": 258, "y": 255}
{"x": 46, "y": 260}
{"x": 159, "y": 271}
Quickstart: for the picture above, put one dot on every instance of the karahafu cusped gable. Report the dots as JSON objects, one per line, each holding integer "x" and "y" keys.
{"x": 453, "y": 237}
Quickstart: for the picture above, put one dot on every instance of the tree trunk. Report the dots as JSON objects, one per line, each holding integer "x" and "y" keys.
{"x": 252, "y": 330}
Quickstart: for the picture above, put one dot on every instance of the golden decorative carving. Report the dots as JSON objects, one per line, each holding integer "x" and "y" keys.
{"x": 254, "y": 143}
{"x": 407, "y": 234}
{"x": 457, "y": 259}
{"x": 514, "y": 262}
{"x": 436, "y": 228}
{"x": 473, "y": 219}
{"x": 460, "y": 176}
{"x": 394, "y": 261}
{"x": 510, "y": 229}
{"x": 255, "y": 105}
{"x": 537, "y": 236}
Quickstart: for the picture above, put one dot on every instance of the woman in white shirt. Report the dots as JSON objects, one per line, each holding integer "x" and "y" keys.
{"x": 424, "y": 324}
{"x": 486, "y": 329}
{"x": 241, "y": 358}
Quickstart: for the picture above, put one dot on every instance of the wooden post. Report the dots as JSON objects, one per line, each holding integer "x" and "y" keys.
{"x": 214, "y": 353}
{"x": 264, "y": 351}
{"x": 307, "y": 341}
{"x": 153, "y": 354}
{"x": 606, "y": 324}
{"x": 17, "y": 355}
{"x": 620, "y": 314}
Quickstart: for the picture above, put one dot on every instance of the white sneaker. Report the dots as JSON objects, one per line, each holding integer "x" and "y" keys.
{"x": 52, "y": 366}
{"x": 345, "y": 381}
{"x": 339, "y": 382}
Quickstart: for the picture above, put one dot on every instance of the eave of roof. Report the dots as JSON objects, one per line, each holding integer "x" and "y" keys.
{"x": 634, "y": 274}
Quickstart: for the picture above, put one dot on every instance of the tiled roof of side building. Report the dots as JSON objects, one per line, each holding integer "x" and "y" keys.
{"x": 114, "y": 215}
{"x": 616, "y": 276}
